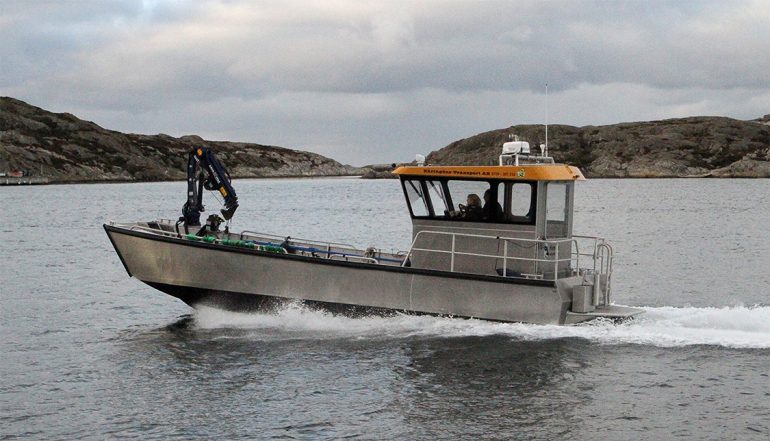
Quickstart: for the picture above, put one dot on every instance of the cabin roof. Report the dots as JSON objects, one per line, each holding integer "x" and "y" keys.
{"x": 529, "y": 172}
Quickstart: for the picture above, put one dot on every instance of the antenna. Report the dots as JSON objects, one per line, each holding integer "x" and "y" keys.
{"x": 546, "y": 120}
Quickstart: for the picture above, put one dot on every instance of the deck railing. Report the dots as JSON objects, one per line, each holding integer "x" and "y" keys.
{"x": 552, "y": 264}
{"x": 600, "y": 255}
{"x": 323, "y": 249}
{"x": 328, "y": 247}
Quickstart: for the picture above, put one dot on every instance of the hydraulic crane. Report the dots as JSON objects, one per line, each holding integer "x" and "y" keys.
{"x": 204, "y": 170}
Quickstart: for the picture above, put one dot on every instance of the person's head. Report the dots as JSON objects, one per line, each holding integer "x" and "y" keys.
{"x": 488, "y": 196}
{"x": 474, "y": 200}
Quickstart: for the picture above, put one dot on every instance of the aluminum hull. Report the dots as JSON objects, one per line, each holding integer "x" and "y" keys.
{"x": 198, "y": 272}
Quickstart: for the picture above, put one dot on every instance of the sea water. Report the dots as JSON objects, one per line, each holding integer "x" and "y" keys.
{"x": 88, "y": 353}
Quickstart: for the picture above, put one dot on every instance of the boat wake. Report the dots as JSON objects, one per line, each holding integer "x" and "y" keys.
{"x": 734, "y": 327}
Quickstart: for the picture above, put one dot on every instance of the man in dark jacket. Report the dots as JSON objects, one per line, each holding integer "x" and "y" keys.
{"x": 492, "y": 210}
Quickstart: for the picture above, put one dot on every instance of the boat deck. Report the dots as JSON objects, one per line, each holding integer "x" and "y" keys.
{"x": 283, "y": 244}
{"x": 336, "y": 272}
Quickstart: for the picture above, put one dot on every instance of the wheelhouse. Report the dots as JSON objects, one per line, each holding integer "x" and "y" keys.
{"x": 526, "y": 209}
{"x": 536, "y": 196}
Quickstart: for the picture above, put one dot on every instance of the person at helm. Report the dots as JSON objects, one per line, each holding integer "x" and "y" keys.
{"x": 472, "y": 211}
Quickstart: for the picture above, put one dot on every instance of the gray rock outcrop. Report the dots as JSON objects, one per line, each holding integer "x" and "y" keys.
{"x": 379, "y": 171}
{"x": 683, "y": 147}
{"x": 68, "y": 149}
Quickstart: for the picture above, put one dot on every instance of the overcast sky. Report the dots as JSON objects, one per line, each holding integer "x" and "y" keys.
{"x": 371, "y": 82}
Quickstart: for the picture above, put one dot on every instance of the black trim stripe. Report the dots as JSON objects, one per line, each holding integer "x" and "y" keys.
{"x": 358, "y": 265}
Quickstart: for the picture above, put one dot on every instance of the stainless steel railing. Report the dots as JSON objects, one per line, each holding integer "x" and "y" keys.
{"x": 546, "y": 266}
{"x": 604, "y": 255}
{"x": 297, "y": 239}
{"x": 309, "y": 247}
{"x": 144, "y": 229}
{"x": 600, "y": 255}
{"x": 330, "y": 248}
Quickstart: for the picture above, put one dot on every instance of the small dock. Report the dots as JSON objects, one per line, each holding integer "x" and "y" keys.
{"x": 23, "y": 180}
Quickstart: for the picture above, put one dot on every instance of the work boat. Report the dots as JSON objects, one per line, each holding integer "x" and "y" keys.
{"x": 488, "y": 242}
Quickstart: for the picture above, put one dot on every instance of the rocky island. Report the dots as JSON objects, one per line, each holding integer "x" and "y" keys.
{"x": 682, "y": 147}
{"x": 67, "y": 149}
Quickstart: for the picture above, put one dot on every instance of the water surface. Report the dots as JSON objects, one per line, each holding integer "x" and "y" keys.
{"x": 90, "y": 354}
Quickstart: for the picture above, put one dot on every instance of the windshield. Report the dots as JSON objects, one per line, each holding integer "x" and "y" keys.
{"x": 472, "y": 200}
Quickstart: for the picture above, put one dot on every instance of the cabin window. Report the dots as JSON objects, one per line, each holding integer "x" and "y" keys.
{"x": 490, "y": 201}
{"x": 461, "y": 190}
{"x": 523, "y": 202}
{"x": 556, "y": 209}
{"x": 476, "y": 201}
{"x": 494, "y": 204}
{"x": 416, "y": 197}
{"x": 439, "y": 198}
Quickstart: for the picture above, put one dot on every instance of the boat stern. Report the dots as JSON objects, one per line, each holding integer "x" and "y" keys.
{"x": 612, "y": 312}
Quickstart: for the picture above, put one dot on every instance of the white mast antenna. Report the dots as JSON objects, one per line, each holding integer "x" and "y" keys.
{"x": 546, "y": 120}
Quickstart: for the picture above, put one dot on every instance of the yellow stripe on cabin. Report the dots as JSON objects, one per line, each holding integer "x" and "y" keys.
{"x": 530, "y": 172}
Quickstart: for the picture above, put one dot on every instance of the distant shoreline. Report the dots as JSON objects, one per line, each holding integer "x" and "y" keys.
{"x": 68, "y": 150}
{"x": 609, "y": 178}
{"x": 133, "y": 181}
{"x": 24, "y": 180}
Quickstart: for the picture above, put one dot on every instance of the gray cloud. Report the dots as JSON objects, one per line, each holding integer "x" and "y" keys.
{"x": 378, "y": 82}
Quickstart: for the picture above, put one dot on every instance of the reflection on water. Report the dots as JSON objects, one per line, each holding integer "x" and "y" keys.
{"x": 473, "y": 383}
{"x": 414, "y": 386}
